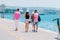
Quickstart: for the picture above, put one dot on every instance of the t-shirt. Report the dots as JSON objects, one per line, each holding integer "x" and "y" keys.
{"x": 35, "y": 17}
{"x": 17, "y": 15}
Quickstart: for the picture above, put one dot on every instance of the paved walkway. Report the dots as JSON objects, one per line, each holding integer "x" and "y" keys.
{"x": 7, "y": 32}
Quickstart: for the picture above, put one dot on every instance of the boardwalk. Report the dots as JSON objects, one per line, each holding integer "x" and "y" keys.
{"x": 7, "y": 32}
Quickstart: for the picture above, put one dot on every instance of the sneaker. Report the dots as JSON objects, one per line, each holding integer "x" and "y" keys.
{"x": 36, "y": 31}
{"x": 26, "y": 31}
{"x": 16, "y": 29}
{"x": 33, "y": 30}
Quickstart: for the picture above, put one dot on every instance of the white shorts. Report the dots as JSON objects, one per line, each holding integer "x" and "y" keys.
{"x": 26, "y": 20}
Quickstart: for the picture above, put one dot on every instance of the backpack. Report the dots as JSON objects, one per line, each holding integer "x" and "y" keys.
{"x": 39, "y": 19}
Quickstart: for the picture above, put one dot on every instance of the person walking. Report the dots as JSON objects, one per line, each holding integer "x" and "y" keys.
{"x": 27, "y": 16}
{"x": 35, "y": 21}
{"x": 16, "y": 18}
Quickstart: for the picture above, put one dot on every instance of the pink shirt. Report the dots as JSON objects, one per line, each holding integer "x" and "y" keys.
{"x": 17, "y": 15}
{"x": 35, "y": 17}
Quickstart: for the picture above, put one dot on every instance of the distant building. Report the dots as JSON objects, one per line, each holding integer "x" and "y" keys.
{"x": 2, "y": 10}
{"x": 2, "y": 7}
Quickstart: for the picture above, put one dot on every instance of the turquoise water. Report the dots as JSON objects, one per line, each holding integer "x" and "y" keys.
{"x": 46, "y": 21}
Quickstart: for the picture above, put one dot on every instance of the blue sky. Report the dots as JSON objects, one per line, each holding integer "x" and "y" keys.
{"x": 32, "y": 3}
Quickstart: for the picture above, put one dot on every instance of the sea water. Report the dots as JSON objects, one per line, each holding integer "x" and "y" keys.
{"x": 46, "y": 20}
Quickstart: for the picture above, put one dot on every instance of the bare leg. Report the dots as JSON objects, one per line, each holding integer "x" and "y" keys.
{"x": 36, "y": 27}
{"x": 33, "y": 27}
{"x": 26, "y": 27}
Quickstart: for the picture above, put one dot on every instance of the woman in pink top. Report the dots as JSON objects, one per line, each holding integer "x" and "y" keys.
{"x": 16, "y": 18}
{"x": 35, "y": 27}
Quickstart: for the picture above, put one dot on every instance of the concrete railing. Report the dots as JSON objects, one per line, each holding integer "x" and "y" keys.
{"x": 58, "y": 24}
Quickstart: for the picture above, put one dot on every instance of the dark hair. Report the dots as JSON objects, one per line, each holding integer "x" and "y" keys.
{"x": 17, "y": 9}
{"x": 27, "y": 15}
{"x": 35, "y": 11}
{"x": 27, "y": 12}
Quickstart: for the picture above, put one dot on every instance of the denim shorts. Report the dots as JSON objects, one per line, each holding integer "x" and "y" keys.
{"x": 35, "y": 23}
{"x": 32, "y": 20}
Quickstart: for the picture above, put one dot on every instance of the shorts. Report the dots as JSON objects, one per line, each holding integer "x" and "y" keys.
{"x": 36, "y": 24}
{"x": 26, "y": 20}
{"x": 32, "y": 20}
